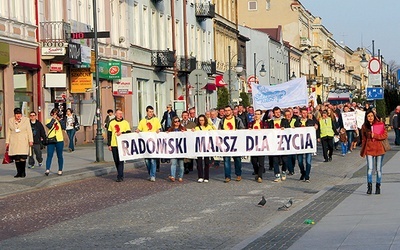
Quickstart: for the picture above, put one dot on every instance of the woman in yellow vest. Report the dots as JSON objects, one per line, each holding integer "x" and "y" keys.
{"x": 325, "y": 133}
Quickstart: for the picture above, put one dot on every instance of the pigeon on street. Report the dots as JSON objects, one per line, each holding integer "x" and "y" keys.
{"x": 262, "y": 202}
{"x": 286, "y": 206}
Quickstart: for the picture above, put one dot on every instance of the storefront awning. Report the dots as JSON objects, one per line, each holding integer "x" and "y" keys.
{"x": 27, "y": 65}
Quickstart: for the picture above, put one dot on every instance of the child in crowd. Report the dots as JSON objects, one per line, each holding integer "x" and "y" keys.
{"x": 355, "y": 141}
{"x": 343, "y": 141}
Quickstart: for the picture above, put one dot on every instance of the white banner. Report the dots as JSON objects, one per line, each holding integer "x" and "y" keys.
{"x": 349, "y": 120}
{"x": 217, "y": 143}
{"x": 360, "y": 114}
{"x": 288, "y": 94}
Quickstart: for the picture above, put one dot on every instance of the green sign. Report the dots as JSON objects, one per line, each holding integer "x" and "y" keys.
{"x": 4, "y": 53}
{"x": 110, "y": 70}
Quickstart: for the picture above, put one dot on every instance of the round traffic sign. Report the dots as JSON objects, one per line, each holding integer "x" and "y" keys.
{"x": 374, "y": 66}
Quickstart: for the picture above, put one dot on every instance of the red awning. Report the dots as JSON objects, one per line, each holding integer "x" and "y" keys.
{"x": 219, "y": 81}
{"x": 181, "y": 98}
{"x": 210, "y": 87}
{"x": 28, "y": 65}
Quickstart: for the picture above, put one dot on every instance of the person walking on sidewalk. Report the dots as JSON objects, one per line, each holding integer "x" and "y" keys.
{"x": 176, "y": 162}
{"x": 56, "y": 125}
{"x": 38, "y": 135}
{"x": 71, "y": 121}
{"x": 150, "y": 123}
{"x": 19, "y": 139}
{"x": 117, "y": 127}
{"x": 372, "y": 148}
{"x": 325, "y": 133}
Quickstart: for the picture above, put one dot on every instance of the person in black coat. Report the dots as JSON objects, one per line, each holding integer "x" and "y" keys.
{"x": 39, "y": 134}
{"x": 166, "y": 121}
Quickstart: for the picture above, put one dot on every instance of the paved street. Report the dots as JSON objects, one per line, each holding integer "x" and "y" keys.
{"x": 86, "y": 208}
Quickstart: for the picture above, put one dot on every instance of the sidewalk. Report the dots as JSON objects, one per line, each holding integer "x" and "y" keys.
{"x": 78, "y": 165}
{"x": 361, "y": 221}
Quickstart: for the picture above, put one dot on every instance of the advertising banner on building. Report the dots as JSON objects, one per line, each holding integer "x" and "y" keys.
{"x": 123, "y": 86}
{"x": 81, "y": 80}
{"x": 110, "y": 70}
{"x": 217, "y": 143}
{"x": 349, "y": 120}
{"x": 4, "y": 53}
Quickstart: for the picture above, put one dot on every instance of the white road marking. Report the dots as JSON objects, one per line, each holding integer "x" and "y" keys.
{"x": 166, "y": 229}
{"x": 138, "y": 241}
{"x": 191, "y": 219}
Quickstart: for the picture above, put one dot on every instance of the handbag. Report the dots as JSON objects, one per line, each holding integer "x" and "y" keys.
{"x": 386, "y": 145}
{"x": 50, "y": 140}
{"x": 77, "y": 126}
{"x": 7, "y": 159}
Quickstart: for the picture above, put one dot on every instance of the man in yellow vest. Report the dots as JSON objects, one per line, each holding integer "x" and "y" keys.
{"x": 325, "y": 133}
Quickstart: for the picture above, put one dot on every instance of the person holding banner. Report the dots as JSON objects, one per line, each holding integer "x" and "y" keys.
{"x": 176, "y": 127}
{"x": 230, "y": 122}
{"x": 373, "y": 133}
{"x": 258, "y": 161}
{"x": 304, "y": 121}
{"x": 150, "y": 123}
{"x": 117, "y": 127}
{"x": 326, "y": 131}
{"x": 277, "y": 122}
{"x": 203, "y": 163}
{"x": 290, "y": 159}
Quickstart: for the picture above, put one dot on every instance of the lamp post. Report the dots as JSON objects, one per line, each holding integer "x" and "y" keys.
{"x": 293, "y": 76}
{"x": 99, "y": 136}
{"x": 263, "y": 72}
{"x": 238, "y": 69}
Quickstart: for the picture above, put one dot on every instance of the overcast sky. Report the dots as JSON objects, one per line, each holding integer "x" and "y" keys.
{"x": 358, "y": 22}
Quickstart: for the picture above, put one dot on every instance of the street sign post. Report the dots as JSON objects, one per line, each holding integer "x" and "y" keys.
{"x": 375, "y": 94}
{"x": 198, "y": 77}
{"x": 374, "y": 76}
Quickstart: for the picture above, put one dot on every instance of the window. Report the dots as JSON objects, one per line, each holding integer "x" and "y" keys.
{"x": 252, "y": 5}
{"x": 268, "y": 7}
{"x": 23, "y": 91}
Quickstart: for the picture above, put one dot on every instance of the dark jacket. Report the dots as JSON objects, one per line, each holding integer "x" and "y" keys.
{"x": 245, "y": 119}
{"x": 238, "y": 123}
{"x": 164, "y": 119}
{"x": 283, "y": 124}
{"x": 38, "y": 132}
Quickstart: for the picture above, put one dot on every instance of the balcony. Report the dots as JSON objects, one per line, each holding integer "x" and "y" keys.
{"x": 327, "y": 54}
{"x": 162, "y": 59}
{"x": 57, "y": 31}
{"x": 185, "y": 66}
{"x": 316, "y": 50}
{"x": 305, "y": 42}
{"x": 205, "y": 11}
{"x": 209, "y": 67}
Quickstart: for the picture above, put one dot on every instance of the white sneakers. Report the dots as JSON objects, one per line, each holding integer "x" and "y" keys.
{"x": 200, "y": 180}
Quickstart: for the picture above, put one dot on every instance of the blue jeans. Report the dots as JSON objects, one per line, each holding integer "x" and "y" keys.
{"x": 174, "y": 164}
{"x": 305, "y": 172}
{"x": 344, "y": 147}
{"x": 374, "y": 162}
{"x": 71, "y": 137}
{"x": 227, "y": 166}
{"x": 397, "y": 133}
{"x": 350, "y": 138}
{"x": 151, "y": 167}
{"x": 58, "y": 147}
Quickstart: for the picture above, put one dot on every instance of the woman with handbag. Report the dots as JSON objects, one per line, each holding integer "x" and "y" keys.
{"x": 19, "y": 139}
{"x": 55, "y": 140}
{"x": 373, "y": 135}
{"x": 71, "y": 121}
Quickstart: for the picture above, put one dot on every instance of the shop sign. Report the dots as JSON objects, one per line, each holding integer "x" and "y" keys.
{"x": 74, "y": 53}
{"x": 81, "y": 80}
{"x": 4, "y": 53}
{"x": 53, "y": 51}
{"x": 56, "y": 67}
{"x": 110, "y": 70}
{"x": 124, "y": 86}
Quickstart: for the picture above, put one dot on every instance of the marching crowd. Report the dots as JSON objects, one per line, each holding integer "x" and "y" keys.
{"x": 26, "y": 136}
{"x": 325, "y": 118}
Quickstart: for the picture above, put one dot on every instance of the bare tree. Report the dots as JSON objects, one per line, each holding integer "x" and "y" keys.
{"x": 393, "y": 67}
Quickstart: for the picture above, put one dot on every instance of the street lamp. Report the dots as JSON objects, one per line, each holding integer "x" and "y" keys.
{"x": 238, "y": 69}
{"x": 99, "y": 136}
{"x": 293, "y": 76}
{"x": 363, "y": 62}
{"x": 263, "y": 72}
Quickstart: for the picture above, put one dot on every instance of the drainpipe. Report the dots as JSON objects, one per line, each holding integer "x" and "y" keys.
{"x": 38, "y": 60}
{"x": 185, "y": 44}
{"x": 175, "y": 78}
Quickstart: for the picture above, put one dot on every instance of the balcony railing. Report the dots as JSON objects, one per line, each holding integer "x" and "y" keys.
{"x": 55, "y": 31}
{"x": 162, "y": 58}
{"x": 305, "y": 42}
{"x": 209, "y": 67}
{"x": 205, "y": 10}
{"x": 316, "y": 50}
{"x": 327, "y": 54}
{"x": 186, "y": 65}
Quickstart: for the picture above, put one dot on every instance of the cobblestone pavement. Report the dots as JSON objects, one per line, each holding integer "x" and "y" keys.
{"x": 100, "y": 213}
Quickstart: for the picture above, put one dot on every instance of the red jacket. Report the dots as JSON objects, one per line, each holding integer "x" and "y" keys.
{"x": 372, "y": 146}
